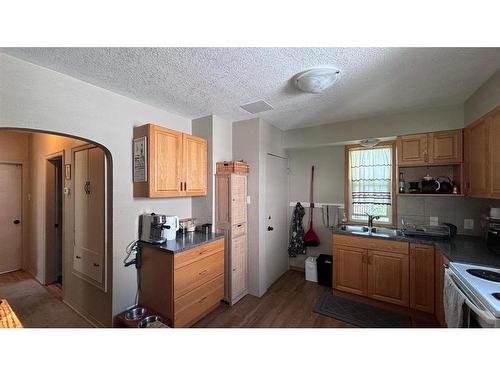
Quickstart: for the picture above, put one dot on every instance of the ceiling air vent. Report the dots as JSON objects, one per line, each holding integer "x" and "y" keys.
{"x": 256, "y": 107}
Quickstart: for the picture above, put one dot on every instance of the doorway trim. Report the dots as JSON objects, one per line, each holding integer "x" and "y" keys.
{"x": 47, "y": 158}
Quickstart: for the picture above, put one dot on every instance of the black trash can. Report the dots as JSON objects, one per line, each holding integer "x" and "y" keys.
{"x": 324, "y": 264}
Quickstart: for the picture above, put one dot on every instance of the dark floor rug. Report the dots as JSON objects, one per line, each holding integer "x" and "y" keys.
{"x": 359, "y": 314}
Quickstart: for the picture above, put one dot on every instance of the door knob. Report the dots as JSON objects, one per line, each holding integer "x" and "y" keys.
{"x": 16, "y": 221}
{"x": 270, "y": 228}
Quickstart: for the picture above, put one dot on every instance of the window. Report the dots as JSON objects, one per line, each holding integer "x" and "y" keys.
{"x": 370, "y": 177}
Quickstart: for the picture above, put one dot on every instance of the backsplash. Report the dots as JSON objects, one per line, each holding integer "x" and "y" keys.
{"x": 454, "y": 210}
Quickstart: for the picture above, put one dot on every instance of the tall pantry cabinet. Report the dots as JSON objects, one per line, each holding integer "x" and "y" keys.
{"x": 231, "y": 219}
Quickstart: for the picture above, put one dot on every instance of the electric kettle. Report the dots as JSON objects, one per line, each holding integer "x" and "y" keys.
{"x": 170, "y": 227}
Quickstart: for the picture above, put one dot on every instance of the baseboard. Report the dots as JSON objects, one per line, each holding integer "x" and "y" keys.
{"x": 93, "y": 322}
{"x": 295, "y": 268}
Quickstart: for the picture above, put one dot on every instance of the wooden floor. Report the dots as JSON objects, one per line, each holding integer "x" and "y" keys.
{"x": 289, "y": 303}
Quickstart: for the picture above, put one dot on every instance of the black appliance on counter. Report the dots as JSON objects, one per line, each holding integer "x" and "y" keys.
{"x": 324, "y": 264}
{"x": 493, "y": 235}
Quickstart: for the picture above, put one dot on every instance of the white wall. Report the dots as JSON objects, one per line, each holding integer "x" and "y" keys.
{"x": 328, "y": 188}
{"x": 483, "y": 100}
{"x": 252, "y": 140}
{"x": 425, "y": 120}
{"x": 218, "y": 132}
{"x": 32, "y": 97}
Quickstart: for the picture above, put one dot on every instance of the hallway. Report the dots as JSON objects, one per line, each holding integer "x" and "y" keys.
{"x": 38, "y": 306}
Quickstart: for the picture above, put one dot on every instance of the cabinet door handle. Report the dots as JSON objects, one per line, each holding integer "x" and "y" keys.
{"x": 203, "y": 272}
{"x": 181, "y": 186}
{"x": 96, "y": 264}
{"x": 78, "y": 257}
{"x": 185, "y": 186}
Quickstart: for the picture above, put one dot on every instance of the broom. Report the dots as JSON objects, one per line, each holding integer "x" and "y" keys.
{"x": 311, "y": 238}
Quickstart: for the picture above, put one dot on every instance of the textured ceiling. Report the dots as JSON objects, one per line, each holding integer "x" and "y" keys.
{"x": 195, "y": 82}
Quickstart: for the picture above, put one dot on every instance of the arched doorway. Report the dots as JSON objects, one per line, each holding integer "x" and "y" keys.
{"x": 64, "y": 227}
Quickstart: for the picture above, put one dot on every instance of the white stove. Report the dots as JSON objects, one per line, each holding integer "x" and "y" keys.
{"x": 481, "y": 286}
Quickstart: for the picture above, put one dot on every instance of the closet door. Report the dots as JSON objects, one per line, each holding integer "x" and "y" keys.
{"x": 89, "y": 195}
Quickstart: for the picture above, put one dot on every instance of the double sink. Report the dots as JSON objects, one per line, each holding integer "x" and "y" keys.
{"x": 370, "y": 231}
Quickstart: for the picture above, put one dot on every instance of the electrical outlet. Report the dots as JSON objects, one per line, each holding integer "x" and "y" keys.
{"x": 468, "y": 224}
{"x": 248, "y": 199}
{"x": 434, "y": 221}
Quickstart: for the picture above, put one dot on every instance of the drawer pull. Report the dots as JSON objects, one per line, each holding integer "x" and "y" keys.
{"x": 203, "y": 299}
{"x": 203, "y": 252}
{"x": 96, "y": 264}
{"x": 78, "y": 257}
{"x": 203, "y": 272}
{"x": 239, "y": 225}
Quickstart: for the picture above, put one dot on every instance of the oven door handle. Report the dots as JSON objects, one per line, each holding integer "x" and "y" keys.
{"x": 485, "y": 315}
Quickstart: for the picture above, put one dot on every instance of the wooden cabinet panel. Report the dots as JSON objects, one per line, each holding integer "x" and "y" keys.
{"x": 194, "y": 305}
{"x": 238, "y": 199}
{"x": 166, "y": 159}
{"x": 195, "y": 274}
{"x": 476, "y": 137}
{"x": 399, "y": 247}
{"x": 349, "y": 273}
{"x": 238, "y": 267}
{"x": 446, "y": 147}
{"x": 494, "y": 154}
{"x": 439, "y": 263}
{"x": 422, "y": 277}
{"x": 388, "y": 277}
{"x": 187, "y": 257}
{"x": 194, "y": 165}
{"x": 412, "y": 150}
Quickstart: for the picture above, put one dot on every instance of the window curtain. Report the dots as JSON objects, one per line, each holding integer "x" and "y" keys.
{"x": 371, "y": 180}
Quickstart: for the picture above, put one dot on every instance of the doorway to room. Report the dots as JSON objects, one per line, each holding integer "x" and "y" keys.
{"x": 54, "y": 220}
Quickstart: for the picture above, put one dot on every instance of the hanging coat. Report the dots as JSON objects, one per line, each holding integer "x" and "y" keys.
{"x": 297, "y": 244}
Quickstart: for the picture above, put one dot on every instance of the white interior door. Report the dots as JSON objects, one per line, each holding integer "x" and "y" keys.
{"x": 10, "y": 217}
{"x": 276, "y": 255}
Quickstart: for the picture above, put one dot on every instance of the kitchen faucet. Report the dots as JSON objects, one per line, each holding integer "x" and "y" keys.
{"x": 370, "y": 219}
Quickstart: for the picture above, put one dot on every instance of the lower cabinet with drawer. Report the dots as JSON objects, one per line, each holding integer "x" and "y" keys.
{"x": 183, "y": 286}
{"x": 396, "y": 272}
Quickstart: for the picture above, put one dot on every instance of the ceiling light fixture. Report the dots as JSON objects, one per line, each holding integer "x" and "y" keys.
{"x": 316, "y": 80}
{"x": 370, "y": 142}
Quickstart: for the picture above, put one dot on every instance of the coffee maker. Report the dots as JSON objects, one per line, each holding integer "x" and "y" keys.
{"x": 152, "y": 226}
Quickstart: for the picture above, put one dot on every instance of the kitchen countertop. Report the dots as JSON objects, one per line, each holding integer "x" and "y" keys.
{"x": 185, "y": 242}
{"x": 461, "y": 248}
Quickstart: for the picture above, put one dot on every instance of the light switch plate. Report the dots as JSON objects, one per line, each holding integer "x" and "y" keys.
{"x": 248, "y": 199}
{"x": 468, "y": 224}
{"x": 434, "y": 221}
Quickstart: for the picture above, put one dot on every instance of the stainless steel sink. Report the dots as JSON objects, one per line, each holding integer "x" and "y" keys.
{"x": 374, "y": 231}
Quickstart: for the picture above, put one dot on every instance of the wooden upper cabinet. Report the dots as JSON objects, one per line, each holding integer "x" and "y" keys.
{"x": 438, "y": 148}
{"x": 494, "y": 154}
{"x": 446, "y": 147}
{"x": 422, "y": 277}
{"x": 412, "y": 150}
{"x": 176, "y": 163}
{"x": 194, "y": 165}
{"x": 166, "y": 158}
{"x": 476, "y": 139}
